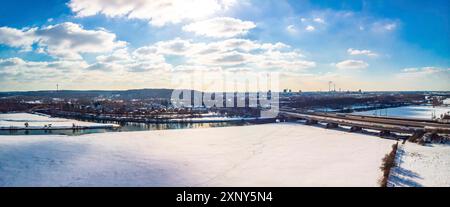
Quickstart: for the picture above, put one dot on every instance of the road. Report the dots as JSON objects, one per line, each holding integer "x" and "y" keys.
{"x": 401, "y": 125}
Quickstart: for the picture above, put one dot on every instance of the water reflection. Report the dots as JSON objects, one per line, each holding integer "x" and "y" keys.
{"x": 125, "y": 127}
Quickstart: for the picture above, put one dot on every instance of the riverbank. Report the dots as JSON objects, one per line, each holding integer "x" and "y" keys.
{"x": 27, "y": 121}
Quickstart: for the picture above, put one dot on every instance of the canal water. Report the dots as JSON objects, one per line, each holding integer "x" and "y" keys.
{"x": 126, "y": 127}
{"x": 418, "y": 112}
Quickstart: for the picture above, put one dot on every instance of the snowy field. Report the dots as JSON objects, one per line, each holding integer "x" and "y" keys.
{"x": 419, "y": 112}
{"x": 421, "y": 166}
{"x": 284, "y": 154}
{"x": 18, "y": 120}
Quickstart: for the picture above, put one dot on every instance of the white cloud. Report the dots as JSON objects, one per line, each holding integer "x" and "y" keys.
{"x": 291, "y": 29}
{"x": 309, "y": 24}
{"x": 229, "y": 58}
{"x": 146, "y": 51}
{"x": 408, "y": 70}
{"x": 125, "y": 64}
{"x": 99, "y": 66}
{"x": 310, "y": 28}
{"x": 69, "y": 40}
{"x": 143, "y": 59}
{"x": 369, "y": 53}
{"x": 424, "y": 72}
{"x": 228, "y": 54}
{"x": 157, "y": 12}
{"x": 117, "y": 56}
{"x": 319, "y": 20}
{"x": 17, "y": 38}
{"x": 10, "y": 62}
{"x": 21, "y": 74}
{"x": 390, "y": 26}
{"x": 17, "y": 69}
{"x": 196, "y": 68}
{"x": 150, "y": 66}
{"x": 66, "y": 40}
{"x": 184, "y": 47}
{"x": 352, "y": 64}
{"x": 385, "y": 26}
{"x": 242, "y": 45}
{"x": 173, "y": 47}
{"x": 220, "y": 27}
{"x": 286, "y": 65}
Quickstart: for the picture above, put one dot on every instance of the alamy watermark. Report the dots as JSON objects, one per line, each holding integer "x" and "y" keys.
{"x": 228, "y": 90}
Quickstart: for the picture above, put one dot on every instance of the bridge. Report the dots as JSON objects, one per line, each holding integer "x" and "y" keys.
{"x": 385, "y": 125}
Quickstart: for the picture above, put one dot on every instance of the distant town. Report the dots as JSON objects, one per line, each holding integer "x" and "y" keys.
{"x": 155, "y": 105}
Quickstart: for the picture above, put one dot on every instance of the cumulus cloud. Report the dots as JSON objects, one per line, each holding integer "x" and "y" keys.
{"x": 23, "y": 38}
{"x": 369, "y": 53}
{"x": 157, "y": 12}
{"x": 385, "y": 26}
{"x": 117, "y": 56}
{"x": 226, "y": 54}
{"x": 408, "y": 70}
{"x": 146, "y": 51}
{"x": 424, "y": 72}
{"x": 262, "y": 56}
{"x": 10, "y": 62}
{"x": 220, "y": 27}
{"x": 310, "y": 28}
{"x": 230, "y": 58}
{"x": 352, "y": 64}
{"x": 185, "y": 47}
{"x": 240, "y": 45}
{"x": 158, "y": 58}
{"x": 17, "y": 69}
{"x": 286, "y": 65}
{"x": 143, "y": 59}
{"x": 173, "y": 47}
{"x": 390, "y": 26}
{"x": 66, "y": 40}
{"x": 291, "y": 29}
{"x": 319, "y": 20}
{"x": 100, "y": 66}
{"x": 150, "y": 66}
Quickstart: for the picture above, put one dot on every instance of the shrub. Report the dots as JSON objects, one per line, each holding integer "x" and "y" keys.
{"x": 388, "y": 163}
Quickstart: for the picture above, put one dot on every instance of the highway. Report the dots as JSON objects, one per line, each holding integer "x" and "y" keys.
{"x": 401, "y": 125}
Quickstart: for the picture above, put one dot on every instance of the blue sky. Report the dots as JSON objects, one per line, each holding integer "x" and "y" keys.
{"x": 98, "y": 44}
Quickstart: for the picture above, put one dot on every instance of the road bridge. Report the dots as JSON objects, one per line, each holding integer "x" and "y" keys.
{"x": 383, "y": 124}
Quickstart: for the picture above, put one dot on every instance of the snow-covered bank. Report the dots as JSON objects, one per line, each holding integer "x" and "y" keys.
{"x": 284, "y": 154}
{"x": 419, "y": 165}
{"x": 34, "y": 121}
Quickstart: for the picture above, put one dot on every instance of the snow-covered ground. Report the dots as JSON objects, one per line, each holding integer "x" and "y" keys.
{"x": 283, "y": 154}
{"x": 35, "y": 121}
{"x": 419, "y": 112}
{"x": 421, "y": 166}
